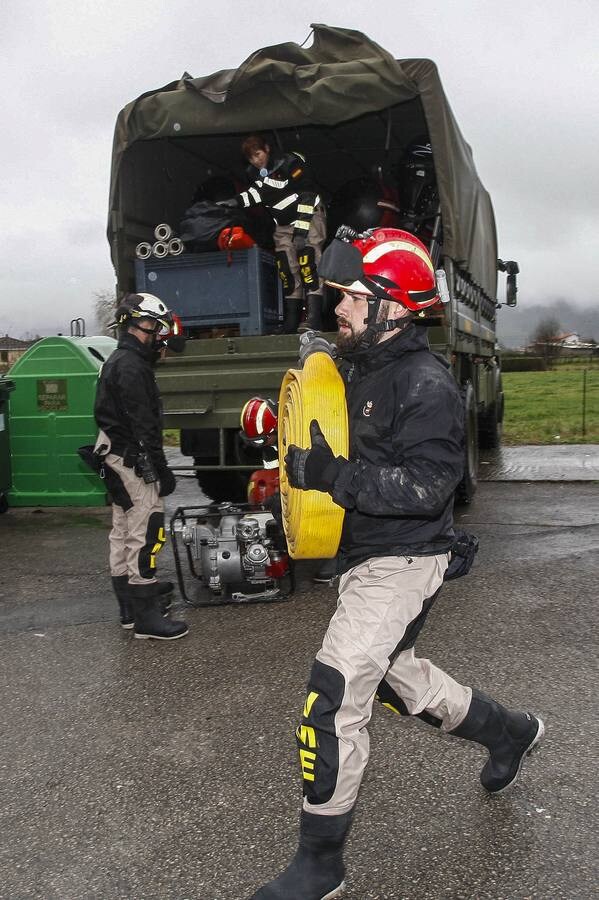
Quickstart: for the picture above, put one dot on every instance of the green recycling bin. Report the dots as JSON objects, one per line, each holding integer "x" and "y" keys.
{"x": 51, "y": 415}
{"x": 6, "y": 387}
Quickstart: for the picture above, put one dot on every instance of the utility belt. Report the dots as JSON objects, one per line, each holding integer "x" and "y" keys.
{"x": 137, "y": 458}
{"x": 128, "y": 453}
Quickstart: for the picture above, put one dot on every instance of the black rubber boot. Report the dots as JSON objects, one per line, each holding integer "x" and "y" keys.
{"x": 509, "y": 737}
{"x": 316, "y": 872}
{"x": 120, "y": 587}
{"x": 293, "y": 314}
{"x": 162, "y": 588}
{"x": 149, "y": 619}
{"x": 165, "y": 587}
{"x": 313, "y": 320}
{"x": 326, "y": 572}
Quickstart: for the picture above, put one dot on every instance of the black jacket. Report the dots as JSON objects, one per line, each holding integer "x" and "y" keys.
{"x": 406, "y": 451}
{"x": 128, "y": 407}
{"x": 288, "y": 190}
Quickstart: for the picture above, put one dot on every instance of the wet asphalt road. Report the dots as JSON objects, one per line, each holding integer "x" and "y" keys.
{"x": 131, "y": 769}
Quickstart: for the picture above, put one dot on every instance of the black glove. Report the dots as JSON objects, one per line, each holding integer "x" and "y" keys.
{"x": 168, "y": 482}
{"x": 231, "y": 202}
{"x": 315, "y": 469}
{"x": 312, "y": 342}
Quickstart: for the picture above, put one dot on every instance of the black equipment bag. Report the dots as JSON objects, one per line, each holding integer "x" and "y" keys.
{"x": 203, "y": 222}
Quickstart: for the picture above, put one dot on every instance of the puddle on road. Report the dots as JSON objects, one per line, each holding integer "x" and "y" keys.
{"x": 566, "y": 462}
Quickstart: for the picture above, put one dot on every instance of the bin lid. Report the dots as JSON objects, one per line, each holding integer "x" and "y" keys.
{"x": 64, "y": 356}
{"x": 99, "y": 345}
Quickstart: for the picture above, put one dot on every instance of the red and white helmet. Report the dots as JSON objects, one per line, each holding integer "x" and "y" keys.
{"x": 259, "y": 419}
{"x": 390, "y": 263}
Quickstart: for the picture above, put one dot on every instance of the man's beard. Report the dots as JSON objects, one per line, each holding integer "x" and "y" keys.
{"x": 351, "y": 341}
{"x": 348, "y": 341}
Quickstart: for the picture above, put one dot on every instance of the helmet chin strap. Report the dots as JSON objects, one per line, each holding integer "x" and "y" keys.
{"x": 374, "y": 328}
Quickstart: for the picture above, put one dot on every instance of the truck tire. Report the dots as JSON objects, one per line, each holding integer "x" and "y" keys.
{"x": 490, "y": 424}
{"x": 231, "y": 485}
{"x": 467, "y": 487}
{"x": 223, "y": 485}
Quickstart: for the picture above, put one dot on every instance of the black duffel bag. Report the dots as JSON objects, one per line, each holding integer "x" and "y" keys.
{"x": 203, "y": 222}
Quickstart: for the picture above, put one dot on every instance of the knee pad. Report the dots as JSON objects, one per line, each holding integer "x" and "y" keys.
{"x": 316, "y": 734}
{"x": 284, "y": 270}
{"x": 388, "y": 697}
{"x": 307, "y": 263}
{"x": 155, "y": 540}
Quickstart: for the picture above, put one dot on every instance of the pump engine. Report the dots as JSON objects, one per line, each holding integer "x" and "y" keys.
{"x": 238, "y": 553}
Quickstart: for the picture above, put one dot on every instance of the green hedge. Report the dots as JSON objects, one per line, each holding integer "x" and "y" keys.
{"x": 523, "y": 364}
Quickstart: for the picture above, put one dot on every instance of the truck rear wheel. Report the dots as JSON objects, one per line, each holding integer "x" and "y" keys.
{"x": 490, "y": 426}
{"x": 222, "y": 485}
{"x": 467, "y": 487}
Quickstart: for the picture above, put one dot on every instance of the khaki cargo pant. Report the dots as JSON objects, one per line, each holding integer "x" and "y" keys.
{"x": 137, "y": 534}
{"x": 368, "y": 653}
{"x": 315, "y": 239}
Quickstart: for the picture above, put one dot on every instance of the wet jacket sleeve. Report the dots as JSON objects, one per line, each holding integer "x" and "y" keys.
{"x": 426, "y": 457}
{"x": 138, "y": 396}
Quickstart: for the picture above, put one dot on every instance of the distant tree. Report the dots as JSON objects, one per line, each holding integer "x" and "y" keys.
{"x": 546, "y": 339}
{"x": 104, "y": 308}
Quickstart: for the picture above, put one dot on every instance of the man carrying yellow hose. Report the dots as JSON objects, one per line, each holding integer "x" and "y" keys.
{"x": 405, "y": 461}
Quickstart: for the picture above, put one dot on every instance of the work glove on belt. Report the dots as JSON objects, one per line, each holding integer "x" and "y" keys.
{"x": 316, "y": 468}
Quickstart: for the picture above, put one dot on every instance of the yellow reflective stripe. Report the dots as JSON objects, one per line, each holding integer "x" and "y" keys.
{"x": 376, "y": 252}
{"x": 310, "y": 700}
{"x": 303, "y": 208}
{"x": 305, "y": 226}
{"x": 307, "y": 760}
{"x": 161, "y": 540}
{"x": 306, "y": 735}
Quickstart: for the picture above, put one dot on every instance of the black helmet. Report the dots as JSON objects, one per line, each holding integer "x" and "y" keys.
{"x": 416, "y": 182}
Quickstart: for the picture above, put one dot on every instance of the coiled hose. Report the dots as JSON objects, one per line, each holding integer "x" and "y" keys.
{"x": 311, "y": 519}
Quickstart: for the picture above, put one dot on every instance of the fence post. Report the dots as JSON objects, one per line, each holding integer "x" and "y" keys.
{"x": 584, "y": 402}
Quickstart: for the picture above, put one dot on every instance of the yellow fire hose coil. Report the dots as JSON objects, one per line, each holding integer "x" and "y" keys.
{"x": 311, "y": 519}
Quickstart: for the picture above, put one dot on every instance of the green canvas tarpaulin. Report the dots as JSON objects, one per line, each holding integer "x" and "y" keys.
{"x": 334, "y": 90}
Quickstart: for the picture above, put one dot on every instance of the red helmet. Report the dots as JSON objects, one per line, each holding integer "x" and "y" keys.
{"x": 389, "y": 263}
{"x": 400, "y": 264}
{"x": 258, "y": 419}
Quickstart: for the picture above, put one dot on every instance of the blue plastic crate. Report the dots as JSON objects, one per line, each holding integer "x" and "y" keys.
{"x": 211, "y": 289}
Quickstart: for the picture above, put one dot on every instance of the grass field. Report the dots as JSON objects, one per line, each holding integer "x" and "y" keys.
{"x": 540, "y": 407}
{"x": 546, "y": 407}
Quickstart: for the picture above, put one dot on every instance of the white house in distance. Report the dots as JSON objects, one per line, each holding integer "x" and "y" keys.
{"x": 572, "y": 341}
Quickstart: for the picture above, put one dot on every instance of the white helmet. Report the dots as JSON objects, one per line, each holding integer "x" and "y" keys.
{"x": 143, "y": 306}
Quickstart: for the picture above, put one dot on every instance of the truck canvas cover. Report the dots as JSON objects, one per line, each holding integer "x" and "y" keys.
{"x": 344, "y": 100}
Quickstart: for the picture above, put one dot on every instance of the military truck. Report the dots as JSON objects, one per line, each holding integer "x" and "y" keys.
{"x": 354, "y": 111}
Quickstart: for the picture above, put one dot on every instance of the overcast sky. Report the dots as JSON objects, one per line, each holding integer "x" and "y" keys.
{"x": 522, "y": 78}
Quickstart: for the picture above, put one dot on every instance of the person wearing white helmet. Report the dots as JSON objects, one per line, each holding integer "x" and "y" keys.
{"x": 129, "y": 417}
